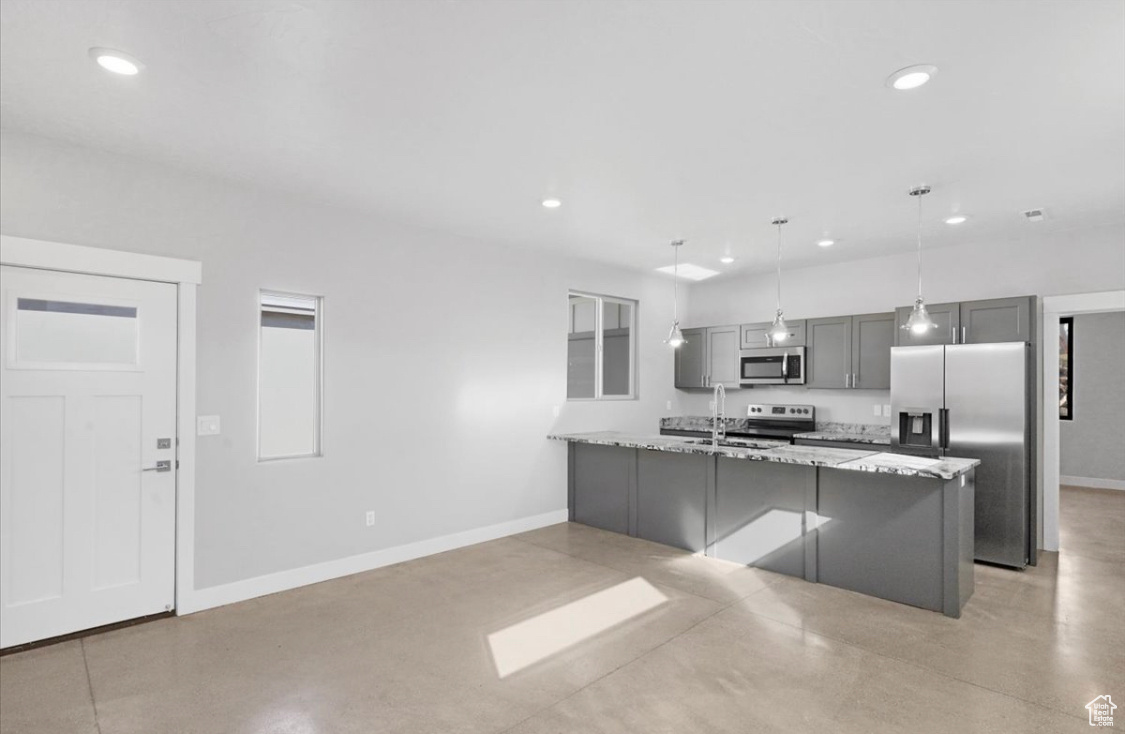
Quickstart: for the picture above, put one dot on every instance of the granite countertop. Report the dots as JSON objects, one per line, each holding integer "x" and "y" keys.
{"x": 861, "y": 433}
{"x": 873, "y": 439}
{"x": 855, "y": 460}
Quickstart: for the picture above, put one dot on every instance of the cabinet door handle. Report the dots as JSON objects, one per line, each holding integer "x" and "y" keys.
{"x": 847, "y": 378}
{"x": 953, "y": 333}
{"x": 964, "y": 335}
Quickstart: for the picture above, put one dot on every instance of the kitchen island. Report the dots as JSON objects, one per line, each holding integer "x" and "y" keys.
{"x": 893, "y": 526}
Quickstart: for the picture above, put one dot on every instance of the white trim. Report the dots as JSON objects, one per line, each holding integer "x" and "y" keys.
{"x": 1053, "y": 308}
{"x": 185, "y": 454}
{"x": 1092, "y": 482}
{"x": 46, "y": 255}
{"x": 237, "y": 591}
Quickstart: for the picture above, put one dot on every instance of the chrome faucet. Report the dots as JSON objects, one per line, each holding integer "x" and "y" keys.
{"x": 718, "y": 414}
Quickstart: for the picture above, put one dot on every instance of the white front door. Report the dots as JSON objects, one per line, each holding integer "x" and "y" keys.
{"x": 88, "y": 390}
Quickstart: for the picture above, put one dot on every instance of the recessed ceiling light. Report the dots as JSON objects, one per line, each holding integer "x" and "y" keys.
{"x": 911, "y": 77}
{"x": 689, "y": 271}
{"x": 552, "y": 203}
{"x": 118, "y": 62}
{"x": 956, "y": 219}
{"x": 726, "y": 259}
{"x": 826, "y": 243}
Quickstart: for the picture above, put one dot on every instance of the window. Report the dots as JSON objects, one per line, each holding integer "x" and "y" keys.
{"x": 289, "y": 384}
{"x": 57, "y": 335}
{"x": 601, "y": 348}
{"x": 1066, "y": 368}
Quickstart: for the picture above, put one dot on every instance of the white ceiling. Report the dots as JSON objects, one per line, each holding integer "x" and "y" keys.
{"x": 651, "y": 121}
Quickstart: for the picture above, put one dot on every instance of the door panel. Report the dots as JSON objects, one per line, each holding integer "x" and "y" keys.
{"x": 691, "y": 359}
{"x": 996, "y": 320}
{"x": 947, "y": 316}
{"x": 873, "y": 335}
{"x": 829, "y": 354}
{"x": 987, "y": 401}
{"x": 88, "y": 386}
{"x": 722, "y": 356}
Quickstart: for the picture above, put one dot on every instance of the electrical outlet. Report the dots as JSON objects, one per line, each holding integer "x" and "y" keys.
{"x": 877, "y": 409}
{"x": 711, "y": 406}
{"x": 886, "y": 411}
{"x": 370, "y": 518}
{"x": 555, "y": 410}
{"x": 207, "y": 425}
{"x": 668, "y": 405}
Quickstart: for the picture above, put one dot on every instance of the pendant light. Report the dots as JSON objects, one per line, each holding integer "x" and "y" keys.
{"x": 675, "y": 336}
{"x": 919, "y": 321}
{"x": 779, "y": 330}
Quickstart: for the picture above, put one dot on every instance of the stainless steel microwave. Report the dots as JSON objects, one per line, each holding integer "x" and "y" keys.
{"x": 773, "y": 366}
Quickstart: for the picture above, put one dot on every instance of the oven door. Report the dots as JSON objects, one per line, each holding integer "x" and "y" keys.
{"x": 776, "y": 366}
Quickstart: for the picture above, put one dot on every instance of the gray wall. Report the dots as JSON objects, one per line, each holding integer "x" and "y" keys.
{"x": 445, "y": 357}
{"x": 1091, "y": 445}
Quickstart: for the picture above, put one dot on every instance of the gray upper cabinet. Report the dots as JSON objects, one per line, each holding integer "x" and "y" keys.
{"x": 756, "y": 336}
{"x": 851, "y": 351}
{"x": 973, "y": 322}
{"x": 722, "y": 356}
{"x": 691, "y": 360}
{"x": 997, "y": 320}
{"x": 873, "y": 335}
{"x": 947, "y": 316}
{"x": 709, "y": 357}
{"x": 829, "y": 359}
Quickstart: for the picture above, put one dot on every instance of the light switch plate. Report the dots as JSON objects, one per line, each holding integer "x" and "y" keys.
{"x": 886, "y": 411}
{"x": 208, "y": 425}
{"x": 876, "y": 407}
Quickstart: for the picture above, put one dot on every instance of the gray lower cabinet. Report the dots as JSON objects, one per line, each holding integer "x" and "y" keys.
{"x": 600, "y": 481}
{"x": 997, "y": 320}
{"x": 947, "y": 316}
{"x": 909, "y": 542}
{"x": 691, "y": 360}
{"x": 829, "y": 359}
{"x": 759, "y": 514}
{"x": 671, "y": 498}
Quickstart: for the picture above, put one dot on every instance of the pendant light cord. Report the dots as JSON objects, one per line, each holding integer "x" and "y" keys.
{"x": 919, "y": 246}
{"x": 779, "y": 223}
{"x": 676, "y": 282}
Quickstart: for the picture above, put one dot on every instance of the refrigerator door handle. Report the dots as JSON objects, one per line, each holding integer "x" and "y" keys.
{"x": 943, "y": 428}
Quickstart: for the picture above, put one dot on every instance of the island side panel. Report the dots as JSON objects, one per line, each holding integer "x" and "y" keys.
{"x": 671, "y": 498}
{"x": 882, "y": 534}
{"x": 960, "y": 549}
{"x": 600, "y": 477}
{"x": 759, "y": 514}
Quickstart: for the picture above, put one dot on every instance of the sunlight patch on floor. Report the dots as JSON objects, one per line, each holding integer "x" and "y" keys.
{"x": 538, "y": 638}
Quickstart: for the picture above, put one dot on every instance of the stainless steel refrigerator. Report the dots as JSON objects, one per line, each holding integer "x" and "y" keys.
{"x": 973, "y": 401}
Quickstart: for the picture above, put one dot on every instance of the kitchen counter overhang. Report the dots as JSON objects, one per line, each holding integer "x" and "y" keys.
{"x": 892, "y": 526}
{"x": 779, "y": 451}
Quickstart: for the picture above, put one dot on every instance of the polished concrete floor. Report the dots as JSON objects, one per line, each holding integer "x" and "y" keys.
{"x": 648, "y": 639}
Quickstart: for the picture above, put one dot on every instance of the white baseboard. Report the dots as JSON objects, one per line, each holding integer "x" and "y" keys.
{"x": 217, "y": 596}
{"x": 1092, "y": 482}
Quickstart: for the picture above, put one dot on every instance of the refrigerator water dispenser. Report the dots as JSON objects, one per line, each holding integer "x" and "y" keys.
{"x": 915, "y": 429}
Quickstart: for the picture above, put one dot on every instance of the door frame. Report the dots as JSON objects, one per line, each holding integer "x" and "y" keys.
{"x": 186, "y": 275}
{"x": 1055, "y": 307}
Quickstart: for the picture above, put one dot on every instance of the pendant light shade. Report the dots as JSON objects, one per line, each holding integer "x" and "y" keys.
{"x": 919, "y": 321}
{"x": 779, "y": 330}
{"x": 675, "y": 336}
